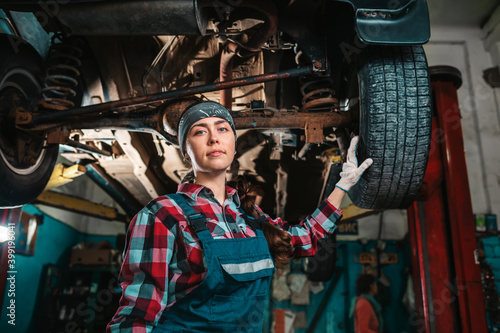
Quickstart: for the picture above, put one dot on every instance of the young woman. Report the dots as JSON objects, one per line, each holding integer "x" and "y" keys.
{"x": 367, "y": 311}
{"x": 196, "y": 261}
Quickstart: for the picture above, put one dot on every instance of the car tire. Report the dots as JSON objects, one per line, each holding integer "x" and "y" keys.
{"x": 395, "y": 125}
{"x": 23, "y": 178}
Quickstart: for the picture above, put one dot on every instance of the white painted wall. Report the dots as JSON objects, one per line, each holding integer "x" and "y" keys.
{"x": 464, "y": 49}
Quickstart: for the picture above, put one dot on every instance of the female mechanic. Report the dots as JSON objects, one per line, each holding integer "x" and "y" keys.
{"x": 201, "y": 260}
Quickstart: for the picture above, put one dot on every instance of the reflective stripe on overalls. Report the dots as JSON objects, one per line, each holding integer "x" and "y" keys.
{"x": 233, "y": 294}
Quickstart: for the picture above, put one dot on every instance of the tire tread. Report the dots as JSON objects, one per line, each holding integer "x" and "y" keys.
{"x": 396, "y": 132}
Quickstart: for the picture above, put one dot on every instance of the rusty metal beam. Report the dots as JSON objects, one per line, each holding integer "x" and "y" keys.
{"x": 58, "y": 116}
{"x": 290, "y": 119}
{"x": 253, "y": 119}
{"x": 164, "y": 121}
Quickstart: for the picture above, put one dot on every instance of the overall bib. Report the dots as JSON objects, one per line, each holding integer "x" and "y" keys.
{"x": 232, "y": 296}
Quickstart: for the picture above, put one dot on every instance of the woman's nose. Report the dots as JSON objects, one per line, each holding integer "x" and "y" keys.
{"x": 213, "y": 137}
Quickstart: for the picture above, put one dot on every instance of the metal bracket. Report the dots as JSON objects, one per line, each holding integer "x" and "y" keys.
{"x": 61, "y": 135}
{"x": 309, "y": 42}
{"x": 314, "y": 131}
{"x": 22, "y": 116}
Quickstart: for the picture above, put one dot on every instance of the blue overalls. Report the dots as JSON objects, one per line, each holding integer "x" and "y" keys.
{"x": 232, "y": 296}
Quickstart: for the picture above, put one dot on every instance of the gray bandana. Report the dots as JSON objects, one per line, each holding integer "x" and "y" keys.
{"x": 200, "y": 111}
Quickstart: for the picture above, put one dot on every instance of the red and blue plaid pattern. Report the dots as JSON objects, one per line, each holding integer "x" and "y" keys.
{"x": 163, "y": 259}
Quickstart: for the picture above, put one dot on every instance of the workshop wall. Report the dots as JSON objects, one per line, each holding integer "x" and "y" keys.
{"x": 53, "y": 244}
{"x": 388, "y": 225}
{"x": 329, "y": 309}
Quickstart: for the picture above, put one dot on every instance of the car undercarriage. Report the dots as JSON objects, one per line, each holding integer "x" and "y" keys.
{"x": 107, "y": 87}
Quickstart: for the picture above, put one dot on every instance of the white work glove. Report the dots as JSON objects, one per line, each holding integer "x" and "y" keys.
{"x": 351, "y": 172}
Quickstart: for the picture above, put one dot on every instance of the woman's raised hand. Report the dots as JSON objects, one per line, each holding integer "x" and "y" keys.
{"x": 351, "y": 172}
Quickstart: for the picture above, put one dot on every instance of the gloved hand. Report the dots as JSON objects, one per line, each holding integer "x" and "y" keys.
{"x": 351, "y": 172}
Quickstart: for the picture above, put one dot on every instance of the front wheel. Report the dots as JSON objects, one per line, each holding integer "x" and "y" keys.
{"x": 395, "y": 125}
{"x": 26, "y": 160}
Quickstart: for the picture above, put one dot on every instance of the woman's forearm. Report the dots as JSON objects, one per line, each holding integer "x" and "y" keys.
{"x": 336, "y": 197}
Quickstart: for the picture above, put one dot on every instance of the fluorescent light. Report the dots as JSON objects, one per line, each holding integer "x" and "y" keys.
{"x": 4, "y": 234}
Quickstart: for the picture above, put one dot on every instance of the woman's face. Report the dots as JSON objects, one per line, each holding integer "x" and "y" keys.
{"x": 210, "y": 145}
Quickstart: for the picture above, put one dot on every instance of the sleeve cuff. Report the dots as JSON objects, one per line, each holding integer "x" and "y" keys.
{"x": 331, "y": 207}
{"x": 327, "y": 216}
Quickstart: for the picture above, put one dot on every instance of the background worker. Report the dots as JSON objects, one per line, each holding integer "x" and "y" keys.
{"x": 367, "y": 311}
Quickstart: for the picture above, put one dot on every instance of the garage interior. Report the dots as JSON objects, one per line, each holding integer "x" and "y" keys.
{"x": 437, "y": 261}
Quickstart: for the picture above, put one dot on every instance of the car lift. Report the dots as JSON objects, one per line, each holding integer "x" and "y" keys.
{"x": 447, "y": 278}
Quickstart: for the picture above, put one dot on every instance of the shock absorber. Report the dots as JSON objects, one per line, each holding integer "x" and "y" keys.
{"x": 62, "y": 72}
{"x": 318, "y": 94}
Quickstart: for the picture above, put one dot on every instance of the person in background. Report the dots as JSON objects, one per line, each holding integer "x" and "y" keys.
{"x": 201, "y": 260}
{"x": 366, "y": 310}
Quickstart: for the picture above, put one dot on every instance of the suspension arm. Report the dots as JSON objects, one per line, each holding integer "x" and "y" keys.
{"x": 160, "y": 121}
{"x": 63, "y": 116}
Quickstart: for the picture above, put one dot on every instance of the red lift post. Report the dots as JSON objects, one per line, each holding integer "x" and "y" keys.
{"x": 447, "y": 278}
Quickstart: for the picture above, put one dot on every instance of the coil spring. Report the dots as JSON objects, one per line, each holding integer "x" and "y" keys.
{"x": 62, "y": 72}
{"x": 319, "y": 94}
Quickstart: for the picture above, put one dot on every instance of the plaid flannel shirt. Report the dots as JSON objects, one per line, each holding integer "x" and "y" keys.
{"x": 163, "y": 258}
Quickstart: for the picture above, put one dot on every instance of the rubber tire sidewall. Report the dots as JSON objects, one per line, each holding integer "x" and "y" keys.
{"x": 19, "y": 189}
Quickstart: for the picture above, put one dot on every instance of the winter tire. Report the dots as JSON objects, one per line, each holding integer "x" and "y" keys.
{"x": 395, "y": 125}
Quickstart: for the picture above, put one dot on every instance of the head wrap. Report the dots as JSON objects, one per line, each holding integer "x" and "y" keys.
{"x": 200, "y": 111}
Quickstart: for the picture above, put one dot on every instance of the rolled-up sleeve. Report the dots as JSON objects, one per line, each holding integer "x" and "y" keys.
{"x": 144, "y": 275}
{"x": 306, "y": 234}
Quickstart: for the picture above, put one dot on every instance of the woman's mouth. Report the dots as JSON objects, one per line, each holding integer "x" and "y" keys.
{"x": 215, "y": 153}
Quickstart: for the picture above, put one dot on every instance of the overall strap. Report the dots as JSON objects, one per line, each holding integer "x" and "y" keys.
{"x": 255, "y": 224}
{"x": 195, "y": 219}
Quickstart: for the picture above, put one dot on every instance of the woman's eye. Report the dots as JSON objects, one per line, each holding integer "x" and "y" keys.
{"x": 200, "y": 132}
{"x": 223, "y": 129}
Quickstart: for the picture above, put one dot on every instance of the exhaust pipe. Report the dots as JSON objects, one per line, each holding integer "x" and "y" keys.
{"x": 170, "y": 17}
